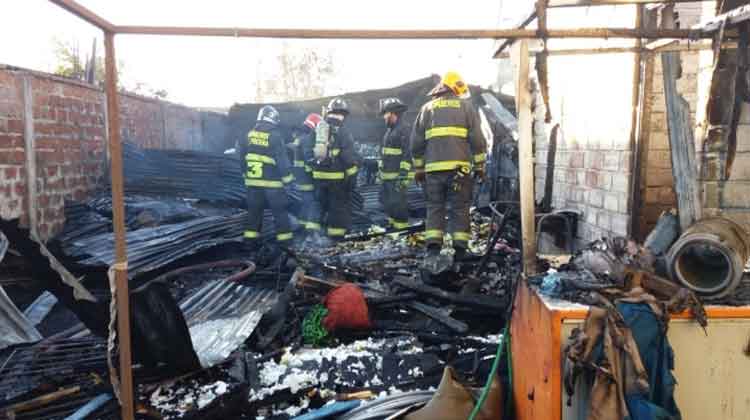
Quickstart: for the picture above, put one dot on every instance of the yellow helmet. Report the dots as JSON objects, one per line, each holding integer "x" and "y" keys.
{"x": 455, "y": 83}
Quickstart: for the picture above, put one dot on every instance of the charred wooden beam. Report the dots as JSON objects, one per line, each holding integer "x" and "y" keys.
{"x": 586, "y": 3}
{"x": 476, "y": 301}
{"x": 681, "y": 138}
{"x": 605, "y": 33}
{"x": 85, "y": 14}
{"x": 507, "y": 42}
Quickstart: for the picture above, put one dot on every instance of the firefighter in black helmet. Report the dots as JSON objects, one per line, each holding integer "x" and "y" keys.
{"x": 267, "y": 170}
{"x": 334, "y": 170}
{"x": 396, "y": 163}
{"x": 448, "y": 145}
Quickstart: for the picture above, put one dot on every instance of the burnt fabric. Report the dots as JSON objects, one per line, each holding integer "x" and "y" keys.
{"x": 626, "y": 349}
{"x": 448, "y": 193}
{"x": 396, "y": 204}
{"x": 347, "y": 309}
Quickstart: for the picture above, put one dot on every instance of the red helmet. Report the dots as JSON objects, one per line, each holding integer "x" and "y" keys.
{"x": 313, "y": 120}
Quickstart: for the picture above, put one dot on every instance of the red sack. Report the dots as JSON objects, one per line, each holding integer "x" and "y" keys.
{"x": 347, "y": 309}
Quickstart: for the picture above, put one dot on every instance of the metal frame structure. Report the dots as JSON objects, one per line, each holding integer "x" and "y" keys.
{"x": 527, "y": 200}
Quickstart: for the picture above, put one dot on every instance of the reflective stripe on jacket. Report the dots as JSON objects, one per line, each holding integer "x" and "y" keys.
{"x": 395, "y": 153}
{"x": 265, "y": 162}
{"x": 447, "y": 134}
{"x": 342, "y": 162}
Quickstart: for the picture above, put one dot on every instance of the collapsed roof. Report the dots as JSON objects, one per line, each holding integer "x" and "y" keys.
{"x": 364, "y": 120}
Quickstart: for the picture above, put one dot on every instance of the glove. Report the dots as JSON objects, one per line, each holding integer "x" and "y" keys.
{"x": 403, "y": 184}
{"x": 479, "y": 174}
{"x": 419, "y": 176}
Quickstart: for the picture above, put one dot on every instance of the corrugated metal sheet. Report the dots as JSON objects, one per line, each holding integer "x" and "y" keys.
{"x": 222, "y": 315}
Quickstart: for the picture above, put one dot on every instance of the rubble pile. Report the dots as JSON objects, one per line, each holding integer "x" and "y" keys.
{"x": 220, "y": 333}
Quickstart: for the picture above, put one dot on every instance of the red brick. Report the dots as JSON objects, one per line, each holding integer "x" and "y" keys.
{"x": 11, "y": 141}
{"x": 11, "y": 173}
{"x": 43, "y": 200}
{"x": 20, "y": 189}
{"x": 15, "y": 126}
{"x": 12, "y": 157}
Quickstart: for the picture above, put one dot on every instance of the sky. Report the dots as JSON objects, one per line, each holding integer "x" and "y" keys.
{"x": 217, "y": 72}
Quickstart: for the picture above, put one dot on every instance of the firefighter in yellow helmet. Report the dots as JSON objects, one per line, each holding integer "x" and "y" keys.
{"x": 448, "y": 147}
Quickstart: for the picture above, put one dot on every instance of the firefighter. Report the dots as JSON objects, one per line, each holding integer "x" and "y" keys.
{"x": 396, "y": 163}
{"x": 267, "y": 171}
{"x": 302, "y": 148}
{"x": 334, "y": 170}
{"x": 447, "y": 145}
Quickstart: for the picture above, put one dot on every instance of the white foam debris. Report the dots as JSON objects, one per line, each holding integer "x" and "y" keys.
{"x": 173, "y": 402}
{"x": 289, "y": 374}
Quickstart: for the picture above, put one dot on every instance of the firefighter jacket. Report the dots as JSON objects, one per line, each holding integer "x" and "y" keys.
{"x": 447, "y": 135}
{"x": 341, "y": 162}
{"x": 265, "y": 160}
{"x": 395, "y": 152}
{"x": 302, "y": 145}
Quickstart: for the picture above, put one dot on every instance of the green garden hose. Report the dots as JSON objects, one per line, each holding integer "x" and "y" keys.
{"x": 493, "y": 371}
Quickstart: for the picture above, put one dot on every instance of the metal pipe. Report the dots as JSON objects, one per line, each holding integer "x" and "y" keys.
{"x": 409, "y": 33}
{"x": 710, "y": 256}
{"x": 85, "y": 14}
{"x": 118, "y": 221}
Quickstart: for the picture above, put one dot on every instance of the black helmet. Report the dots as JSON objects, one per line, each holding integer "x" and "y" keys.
{"x": 392, "y": 105}
{"x": 338, "y": 106}
{"x": 269, "y": 114}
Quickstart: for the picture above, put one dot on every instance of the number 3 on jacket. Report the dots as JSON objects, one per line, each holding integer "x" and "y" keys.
{"x": 255, "y": 169}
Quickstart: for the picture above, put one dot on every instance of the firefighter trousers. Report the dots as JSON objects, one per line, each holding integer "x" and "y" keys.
{"x": 448, "y": 193}
{"x": 260, "y": 198}
{"x": 395, "y": 204}
{"x": 335, "y": 202}
{"x": 309, "y": 214}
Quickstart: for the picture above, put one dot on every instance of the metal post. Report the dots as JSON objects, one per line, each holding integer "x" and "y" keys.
{"x": 118, "y": 221}
{"x": 30, "y": 154}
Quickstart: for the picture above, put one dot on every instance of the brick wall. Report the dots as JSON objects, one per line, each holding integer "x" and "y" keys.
{"x": 731, "y": 197}
{"x": 658, "y": 194}
{"x": 592, "y": 164}
{"x": 12, "y": 175}
{"x": 69, "y": 126}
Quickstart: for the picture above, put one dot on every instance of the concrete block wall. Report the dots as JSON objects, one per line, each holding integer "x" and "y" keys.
{"x": 731, "y": 197}
{"x": 659, "y": 195}
{"x": 593, "y": 160}
{"x": 69, "y": 126}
